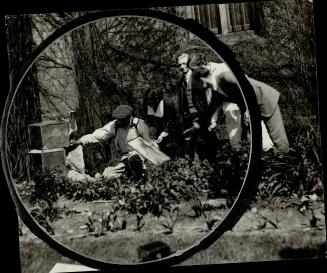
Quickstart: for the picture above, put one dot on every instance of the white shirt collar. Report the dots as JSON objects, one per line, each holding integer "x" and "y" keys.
{"x": 158, "y": 113}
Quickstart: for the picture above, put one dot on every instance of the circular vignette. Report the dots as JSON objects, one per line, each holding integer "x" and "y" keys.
{"x": 252, "y": 176}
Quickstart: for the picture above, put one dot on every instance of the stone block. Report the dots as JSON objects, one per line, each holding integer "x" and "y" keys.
{"x": 41, "y": 160}
{"x": 153, "y": 251}
{"x": 48, "y": 135}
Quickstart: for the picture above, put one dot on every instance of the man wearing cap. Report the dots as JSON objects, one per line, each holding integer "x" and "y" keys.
{"x": 123, "y": 129}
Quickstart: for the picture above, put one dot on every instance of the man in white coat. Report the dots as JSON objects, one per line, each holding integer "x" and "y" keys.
{"x": 233, "y": 119}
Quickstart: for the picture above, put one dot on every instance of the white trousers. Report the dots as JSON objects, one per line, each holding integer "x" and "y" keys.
{"x": 233, "y": 122}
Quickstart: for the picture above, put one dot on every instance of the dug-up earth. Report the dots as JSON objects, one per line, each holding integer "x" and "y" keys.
{"x": 271, "y": 230}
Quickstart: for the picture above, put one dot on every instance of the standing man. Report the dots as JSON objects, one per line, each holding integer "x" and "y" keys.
{"x": 187, "y": 111}
{"x": 185, "y": 104}
{"x": 190, "y": 112}
{"x": 233, "y": 118}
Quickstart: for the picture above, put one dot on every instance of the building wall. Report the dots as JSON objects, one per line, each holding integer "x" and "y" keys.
{"x": 229, "y": 22}
{"x": 55, "y": 72}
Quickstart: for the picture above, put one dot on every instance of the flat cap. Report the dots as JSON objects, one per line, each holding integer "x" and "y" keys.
{"x": 122, "y": 111}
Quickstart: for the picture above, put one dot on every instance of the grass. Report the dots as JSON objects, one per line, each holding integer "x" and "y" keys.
{"x": 37, "y": 257}
{"x": 294, "y": 238}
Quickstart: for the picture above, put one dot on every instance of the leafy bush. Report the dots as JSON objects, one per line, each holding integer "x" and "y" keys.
{"x": 42, "y": 187}
{"x": 283, "y": 56}
{"x": 90, "y": 190}
{"x": 166, "y": 185}
{"x": 296, "y": 172}
{"x": 42, "y": 193}
{"x": 230, "y": 168}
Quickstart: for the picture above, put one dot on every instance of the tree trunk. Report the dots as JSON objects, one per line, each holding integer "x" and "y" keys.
{"x": 26, "y": 104}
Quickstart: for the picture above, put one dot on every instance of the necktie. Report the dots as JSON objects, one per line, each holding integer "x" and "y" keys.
{"x": 188, "y": 93}
{"x": 184, "y": 82}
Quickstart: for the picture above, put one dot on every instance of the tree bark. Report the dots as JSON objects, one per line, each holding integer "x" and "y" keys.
{"x": 26, "y": 104}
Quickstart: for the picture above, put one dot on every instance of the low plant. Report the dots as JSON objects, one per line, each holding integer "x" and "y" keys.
{"x": 169, "y": 221}
{"x": 298, "y": 171}
{"x": 41, "y": 215}
{"x": 112, "y": 220}
{"x": 210, "y": 220}
{"x": 139, "y": 221}
{"x": 263, "y": 220}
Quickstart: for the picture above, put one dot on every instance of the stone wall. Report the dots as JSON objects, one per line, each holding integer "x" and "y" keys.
{"x": 55, "y": 72}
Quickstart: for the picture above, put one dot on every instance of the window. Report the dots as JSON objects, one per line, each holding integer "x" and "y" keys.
{"x": 225, "y": 18}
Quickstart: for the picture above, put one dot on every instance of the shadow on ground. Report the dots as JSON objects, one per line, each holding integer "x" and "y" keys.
{"x": 303, "y": 253}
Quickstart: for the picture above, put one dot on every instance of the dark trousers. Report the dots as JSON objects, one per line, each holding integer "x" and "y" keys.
{"x": 204, "y": 144}
{"x": 276, "y": 130}
{"x": 172, "y": 146}
{"x": 134, "y": 166}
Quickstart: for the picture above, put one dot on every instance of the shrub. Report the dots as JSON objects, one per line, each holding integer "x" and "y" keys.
{"x": 42, "y": 186}
{"x": 230, "y": 168}
{"x": 296, "y": 172}
{"x": 166, "y": 185}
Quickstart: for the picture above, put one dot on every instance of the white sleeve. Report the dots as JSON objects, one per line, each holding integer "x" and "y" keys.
{"x": 215, "y": 68}
{"x": 104, "y": 133}
{"x": 214, "y": 117}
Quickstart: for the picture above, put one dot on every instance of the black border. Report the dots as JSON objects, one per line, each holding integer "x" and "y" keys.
{"x": 11, "y": 255}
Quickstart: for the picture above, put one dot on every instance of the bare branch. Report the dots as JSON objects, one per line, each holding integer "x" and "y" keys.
{"x": 57, "y": 64}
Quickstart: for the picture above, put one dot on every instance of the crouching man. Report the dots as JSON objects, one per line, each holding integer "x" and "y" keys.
{"x": 225, "y": 88}
{"x": 124, "y": 128}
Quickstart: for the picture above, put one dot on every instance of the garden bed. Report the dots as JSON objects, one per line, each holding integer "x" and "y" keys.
{"x": 252, "y": 239}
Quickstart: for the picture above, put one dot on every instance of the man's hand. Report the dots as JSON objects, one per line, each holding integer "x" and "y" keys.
{"x": 246, "y": 118}
{"x": 188, "y": 132}
{"x": 196, "y": 125}
{"x": 212, "y": 126}
{"x": 162, "y": 136}
{"x": 155, "y": 145}
{"x": 74, "y": 143}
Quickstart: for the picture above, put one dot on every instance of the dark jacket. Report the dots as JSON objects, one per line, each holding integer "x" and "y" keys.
{"x": 205, "y": 110}
{"x": 184, "y": 113}
{"x": 172, "y": 144}
{"x": 169, "y": 122}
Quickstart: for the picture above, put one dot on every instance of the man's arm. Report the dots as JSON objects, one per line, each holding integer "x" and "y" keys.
{"x": 101, "y": 134}
{"x": 170, "y": 116}
{"x": 213, "y": 121}
{"x": 144, "y": 132}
